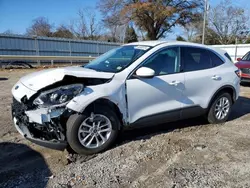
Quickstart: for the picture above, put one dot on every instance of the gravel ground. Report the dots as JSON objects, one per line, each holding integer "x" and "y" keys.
{"x": 188, "y": 153}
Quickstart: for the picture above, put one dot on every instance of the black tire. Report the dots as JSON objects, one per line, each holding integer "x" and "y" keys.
{"x": 74, "y": 123}
{"x": 211, "y": 117}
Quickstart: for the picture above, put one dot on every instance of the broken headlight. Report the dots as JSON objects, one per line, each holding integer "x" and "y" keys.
{"x": 59, "y": 95}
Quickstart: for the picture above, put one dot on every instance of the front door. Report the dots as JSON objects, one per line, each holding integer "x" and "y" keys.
{"x": 158, "y": 97}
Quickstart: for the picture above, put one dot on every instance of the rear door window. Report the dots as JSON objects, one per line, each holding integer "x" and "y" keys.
{"x": 193, "y": 59}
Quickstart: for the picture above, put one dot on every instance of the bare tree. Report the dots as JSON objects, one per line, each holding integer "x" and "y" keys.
{"x": 86, "y": 26}
{"x": 40, "y": 27}
{"x": 192, "y": 30}
{"x": 112, "y": 19}
{"x": 116, "y": 33}
{"x": 110, "y": 10}
{"x": 228, "y": 21}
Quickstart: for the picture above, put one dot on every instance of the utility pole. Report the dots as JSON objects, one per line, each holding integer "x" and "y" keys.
{"x": 236, "y": 47}
{"x": 204, "y": 21}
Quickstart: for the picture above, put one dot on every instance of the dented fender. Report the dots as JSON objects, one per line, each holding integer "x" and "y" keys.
{"x": 113, "y": 91}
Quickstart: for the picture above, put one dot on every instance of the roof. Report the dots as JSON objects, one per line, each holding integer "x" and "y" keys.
{"x": 157, "y": 42}
{"x": 147, "y": 43}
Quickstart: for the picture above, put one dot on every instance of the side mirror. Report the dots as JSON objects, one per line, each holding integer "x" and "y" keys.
{"x": 238, "y": 59}
{"x": 145, "y": 72}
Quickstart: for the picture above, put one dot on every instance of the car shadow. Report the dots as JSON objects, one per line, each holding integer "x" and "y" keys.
{"x": 148, "y": 132}
{"x": 173, "y": 93}
{"x": 239, "y": 109}
{"x": 245, "y": 84}
{"x": 22, "y": 167}
{"x": 3, "y": 79}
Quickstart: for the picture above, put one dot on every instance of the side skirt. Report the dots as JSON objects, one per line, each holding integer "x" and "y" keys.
{"x": 166, "y": 117}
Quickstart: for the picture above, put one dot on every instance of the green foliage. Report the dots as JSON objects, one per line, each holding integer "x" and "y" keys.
{"x": 180, "y": 38}
{"x": 130, "y": 35}
{"x": 63, "y": 32}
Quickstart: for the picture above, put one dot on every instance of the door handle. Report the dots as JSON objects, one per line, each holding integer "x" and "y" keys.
{"x": 215, "y": 77}
{"x": 174, "y": 83}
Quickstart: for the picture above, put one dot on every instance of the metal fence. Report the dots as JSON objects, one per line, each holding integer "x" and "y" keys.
{"x": 46, "y": 46}
{"x": 19, "y": 45}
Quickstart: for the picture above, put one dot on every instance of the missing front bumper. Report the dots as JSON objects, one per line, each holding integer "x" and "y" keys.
{"x": 24, "y": 131}
{"x": 40, "y": 126}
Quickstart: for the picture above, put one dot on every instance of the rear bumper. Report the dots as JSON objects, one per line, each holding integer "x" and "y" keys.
{"x": 24, "y": 131}
{"x": 245, "y": 79}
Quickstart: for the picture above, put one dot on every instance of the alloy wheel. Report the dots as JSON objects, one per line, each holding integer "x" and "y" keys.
{"x": 222, "y": 108}
{"x": 94, "y": 131}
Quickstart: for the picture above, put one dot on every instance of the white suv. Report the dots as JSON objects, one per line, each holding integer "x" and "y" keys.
{"x": 138, "y": 84}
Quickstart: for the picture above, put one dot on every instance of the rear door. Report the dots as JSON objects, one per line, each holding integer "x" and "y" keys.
{"x": 203, "y": 77}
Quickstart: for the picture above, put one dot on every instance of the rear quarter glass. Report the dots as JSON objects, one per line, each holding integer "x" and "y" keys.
{"x": 228, "y": 57}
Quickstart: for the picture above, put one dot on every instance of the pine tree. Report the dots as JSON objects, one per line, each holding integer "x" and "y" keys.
{"x": 130, "y": 35}
{"x": 180, "y": 38}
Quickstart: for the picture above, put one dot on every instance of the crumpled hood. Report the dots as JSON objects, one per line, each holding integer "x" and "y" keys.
{"x": 41, "y": 79}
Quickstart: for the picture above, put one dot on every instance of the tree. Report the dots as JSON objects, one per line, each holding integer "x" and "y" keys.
{"x": 180, "y": 38}
{"x": 193, "y": 30}
{"x": 40, "y": 27}
{"x": 114, "y": 23}
{"x": 155, "y": 17}
{"x": 63, "y": 32}
{"x": 130, "y": 35}
{"x": 228, "y": 22}
{"x": 211, "y": 37}
{"x": 86, "y": 26}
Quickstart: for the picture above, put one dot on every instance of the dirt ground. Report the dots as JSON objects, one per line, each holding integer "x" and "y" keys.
{"x": 188, "y": 153}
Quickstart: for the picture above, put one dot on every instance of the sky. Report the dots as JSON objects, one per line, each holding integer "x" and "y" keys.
{"x": 17, "y": 15}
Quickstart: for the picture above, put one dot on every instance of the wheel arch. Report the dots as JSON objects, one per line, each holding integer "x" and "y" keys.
{"x": 227, "y": 88}
{"x": 111, "y": 105}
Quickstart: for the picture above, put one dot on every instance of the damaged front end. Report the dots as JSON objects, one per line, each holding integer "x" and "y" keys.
{"x": 42, "y": 118}
{"x": 45, "y": 127}
{"x": 43, "y": 102}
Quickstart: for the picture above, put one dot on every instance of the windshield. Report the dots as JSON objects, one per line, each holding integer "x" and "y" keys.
{"x": 117, "y": 59}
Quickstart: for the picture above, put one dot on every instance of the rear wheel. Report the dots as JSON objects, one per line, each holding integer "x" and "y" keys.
{"x": 92, "y": 132}
{"x": 220, "y": 108}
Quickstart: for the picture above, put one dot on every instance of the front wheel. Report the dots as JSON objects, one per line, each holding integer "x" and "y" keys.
{"x": 93, "y": 132}
{"x": 220, "y": 108}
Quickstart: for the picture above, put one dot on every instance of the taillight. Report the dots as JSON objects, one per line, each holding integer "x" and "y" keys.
{"x": 238, "y": 72}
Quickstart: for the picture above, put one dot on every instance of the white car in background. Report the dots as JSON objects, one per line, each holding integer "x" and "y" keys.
{"x": 137, "y": 84}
